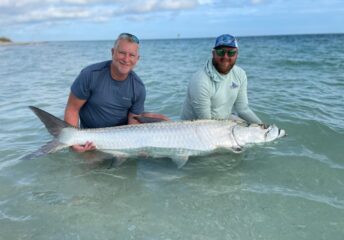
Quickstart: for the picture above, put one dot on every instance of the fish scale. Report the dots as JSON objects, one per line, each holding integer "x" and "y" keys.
{"x": 198, "y": 136}
{"x": 176, "y": 140}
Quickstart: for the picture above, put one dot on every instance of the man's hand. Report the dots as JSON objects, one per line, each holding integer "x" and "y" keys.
{"x": 88, "y": 146}
{"x": 156, "y": 115}
{"x": 146, "y": 117}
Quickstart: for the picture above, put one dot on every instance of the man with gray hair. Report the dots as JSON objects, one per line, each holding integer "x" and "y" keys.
{"x": 108, "y": 93}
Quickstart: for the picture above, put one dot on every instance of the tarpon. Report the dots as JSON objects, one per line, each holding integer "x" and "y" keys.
{"x": 177, "y": 140}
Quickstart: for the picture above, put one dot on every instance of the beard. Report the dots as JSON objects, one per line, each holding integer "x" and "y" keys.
{"x": 223, "y": 66}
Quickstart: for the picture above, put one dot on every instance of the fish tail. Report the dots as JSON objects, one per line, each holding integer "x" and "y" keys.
{"x": 49, "y": 147}
{"x": 53, "y": 124}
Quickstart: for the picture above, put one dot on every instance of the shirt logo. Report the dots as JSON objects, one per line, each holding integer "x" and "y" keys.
{"x": 234, "y": 85}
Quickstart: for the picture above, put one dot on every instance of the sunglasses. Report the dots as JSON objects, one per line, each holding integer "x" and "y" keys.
{"x": 221, "y": 52}
{"x": 130, "y": 36}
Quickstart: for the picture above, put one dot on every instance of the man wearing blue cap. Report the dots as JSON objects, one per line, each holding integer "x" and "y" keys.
{"x": 219, "y": 87}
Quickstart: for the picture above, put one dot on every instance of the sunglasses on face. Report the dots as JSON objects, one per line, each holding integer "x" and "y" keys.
{"x": 222, "y": 51}
{"x": 131, "y": 36}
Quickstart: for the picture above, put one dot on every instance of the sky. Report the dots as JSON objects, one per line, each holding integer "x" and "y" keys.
{"x": 64, "y": 20}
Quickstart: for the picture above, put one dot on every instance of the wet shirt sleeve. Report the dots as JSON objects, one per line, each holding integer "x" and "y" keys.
{"x": 241, "y": 104}
{"x": 200, "y": 97}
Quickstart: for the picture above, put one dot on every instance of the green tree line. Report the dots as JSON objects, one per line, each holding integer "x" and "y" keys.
{"x": 4, "y": 39}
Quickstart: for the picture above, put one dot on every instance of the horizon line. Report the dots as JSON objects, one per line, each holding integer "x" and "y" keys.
{"x": 177, "y": 38}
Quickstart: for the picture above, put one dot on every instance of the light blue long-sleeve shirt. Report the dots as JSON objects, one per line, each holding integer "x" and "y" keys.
{"x": 211, "y": 95}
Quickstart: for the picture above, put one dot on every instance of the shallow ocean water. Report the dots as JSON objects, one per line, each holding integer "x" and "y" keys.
{"x": 289, "y": 189}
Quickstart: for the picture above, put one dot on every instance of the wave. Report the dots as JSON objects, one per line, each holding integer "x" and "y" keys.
{"x": 289, "y": 192}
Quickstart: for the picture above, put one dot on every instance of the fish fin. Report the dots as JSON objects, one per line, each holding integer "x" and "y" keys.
{"x": 142, "y": 119}
{"x": 121, "y": 157}
{"x": 53, "y": 124}
{"x": 237, "y": 149}
{"x": 52, "y": 147}
{"x": 115, "y": 153}
{"x": 119, "y": 161}
{"x": 180, "y": 160}
{"x": 49, "y": 147}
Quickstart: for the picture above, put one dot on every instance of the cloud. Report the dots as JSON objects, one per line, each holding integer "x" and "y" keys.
{"x": 28, "y": 11}
{"x": 235, "y": 4}
{"x": 149, "y": 6}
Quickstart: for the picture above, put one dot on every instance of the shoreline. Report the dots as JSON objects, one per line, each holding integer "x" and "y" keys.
{"x": 2, "y": 43}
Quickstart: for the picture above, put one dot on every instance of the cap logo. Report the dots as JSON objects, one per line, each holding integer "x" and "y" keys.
{"x": 226, "y": 40}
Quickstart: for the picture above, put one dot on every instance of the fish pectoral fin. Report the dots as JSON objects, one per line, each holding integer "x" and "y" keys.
{"x": 117, "y": 154}
{"x": 180, "y": 160}
{"x": 121, "y": 157}
{"x": 237, "y": 149}
{"x": 119, "y": 161}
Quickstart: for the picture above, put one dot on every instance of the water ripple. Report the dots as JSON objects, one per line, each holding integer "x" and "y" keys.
{"x": 288, "y": 192}
{"x": 4, "y": 216}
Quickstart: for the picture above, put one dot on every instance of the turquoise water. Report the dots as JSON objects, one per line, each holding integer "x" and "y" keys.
{"x": 290, "y": 189}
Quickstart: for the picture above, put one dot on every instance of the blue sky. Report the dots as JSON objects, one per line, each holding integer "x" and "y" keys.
{"x": 37, "y": 20}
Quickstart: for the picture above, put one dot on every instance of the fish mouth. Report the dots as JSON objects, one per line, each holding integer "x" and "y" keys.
{"x": 281, "y": 133}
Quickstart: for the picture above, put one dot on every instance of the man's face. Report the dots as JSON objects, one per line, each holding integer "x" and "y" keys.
{"x": 124, "y": 57}
{"x": 224, "y": 59}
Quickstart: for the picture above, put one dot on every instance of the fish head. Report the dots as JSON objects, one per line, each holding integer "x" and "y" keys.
{"x": 272, "y": 132}
{"x": 257, "y": 133}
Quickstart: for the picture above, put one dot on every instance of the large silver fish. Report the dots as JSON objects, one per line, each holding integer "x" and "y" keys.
{"x": 176, "y": 140}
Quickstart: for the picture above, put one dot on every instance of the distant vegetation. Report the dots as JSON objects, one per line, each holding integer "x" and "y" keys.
{"x": 5, "y": 40}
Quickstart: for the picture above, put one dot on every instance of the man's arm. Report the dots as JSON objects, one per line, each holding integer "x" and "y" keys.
{"x": 71, "y": 116}
{"x": 242, "y": 107}
{"x": 156, "y": 116}
{"x": 131, "y": 118}
{"x": 199, "y": 96}
{"x": 72, "y": 110}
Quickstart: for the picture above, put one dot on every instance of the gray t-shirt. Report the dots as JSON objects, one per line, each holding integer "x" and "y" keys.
{"x": 108, "y": 101}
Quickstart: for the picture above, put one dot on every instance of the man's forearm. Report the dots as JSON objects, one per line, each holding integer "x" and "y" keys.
{"x": 72, "y": 117}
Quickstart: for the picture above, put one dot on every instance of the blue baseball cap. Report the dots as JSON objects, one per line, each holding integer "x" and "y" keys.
{"x": 226, "y": 40}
